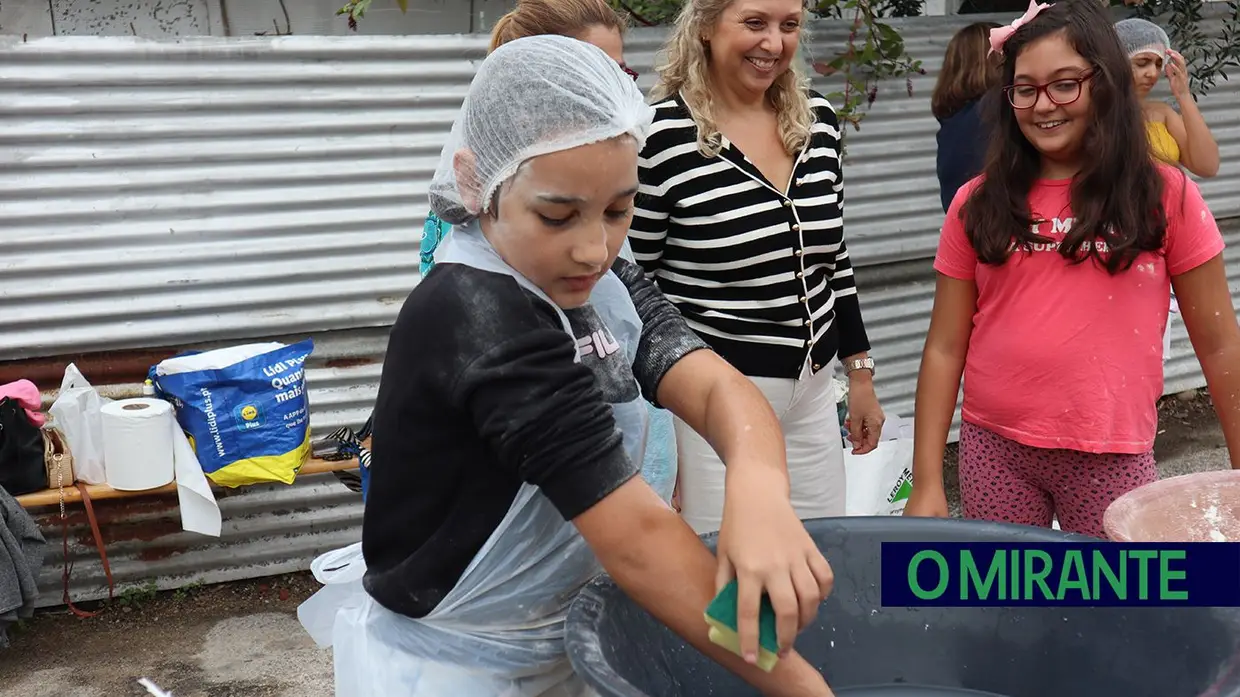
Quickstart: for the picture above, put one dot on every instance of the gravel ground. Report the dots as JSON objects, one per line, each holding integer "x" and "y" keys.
{"x": 229, "y": 640}
{"x": 243, "y": 639}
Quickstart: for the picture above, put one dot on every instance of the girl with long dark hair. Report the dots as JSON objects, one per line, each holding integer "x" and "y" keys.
{"x": 1055, "y": 271}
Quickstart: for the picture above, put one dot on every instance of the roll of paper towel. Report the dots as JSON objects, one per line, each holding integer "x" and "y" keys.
{"x": 138, "y": 444}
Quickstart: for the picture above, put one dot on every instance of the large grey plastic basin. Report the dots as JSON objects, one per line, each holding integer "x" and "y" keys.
{"x": 621, "y": 651}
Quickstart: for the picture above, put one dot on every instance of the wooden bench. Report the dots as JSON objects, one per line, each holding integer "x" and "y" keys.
{"x": 51, "y": 497}
{"x": 95, "y": 492}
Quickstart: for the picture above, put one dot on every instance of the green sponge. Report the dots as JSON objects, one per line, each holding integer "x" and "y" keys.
{"x": 721, "y": 616}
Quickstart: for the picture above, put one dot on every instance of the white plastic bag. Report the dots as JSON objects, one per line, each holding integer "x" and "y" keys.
{"x": 340, "y": 571}
{"x": 214, "y": 360}
{"x": 879, "y": 482}
{"x": 76, "y": 413}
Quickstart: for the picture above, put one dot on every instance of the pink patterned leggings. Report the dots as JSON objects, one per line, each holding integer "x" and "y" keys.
{"x": 1004, "y": 481}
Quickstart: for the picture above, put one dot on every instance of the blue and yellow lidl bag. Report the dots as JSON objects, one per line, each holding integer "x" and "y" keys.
{"x": 243, "y": 408}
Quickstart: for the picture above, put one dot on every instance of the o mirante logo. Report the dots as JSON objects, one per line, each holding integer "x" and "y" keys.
{"x": 1061, "y": 573}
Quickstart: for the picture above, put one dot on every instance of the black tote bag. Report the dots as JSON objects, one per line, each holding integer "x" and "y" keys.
{"x": 21, "y": 451}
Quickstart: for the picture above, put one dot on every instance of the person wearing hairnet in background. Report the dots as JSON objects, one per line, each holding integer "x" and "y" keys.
{"x": 505, "y": 452}
{"x": 1183, "y": 138}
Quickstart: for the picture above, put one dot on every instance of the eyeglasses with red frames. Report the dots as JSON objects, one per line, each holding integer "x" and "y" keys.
{"x": 629, "y": 71}
{"x": 1062, "y": 92}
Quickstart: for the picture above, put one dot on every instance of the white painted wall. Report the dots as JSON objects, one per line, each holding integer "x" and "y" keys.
{"x": 318, "y": 17}
{"x": 25, "y": 17}
{"x": 161, "y": 19}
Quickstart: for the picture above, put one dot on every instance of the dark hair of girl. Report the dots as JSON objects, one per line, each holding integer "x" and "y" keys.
{"x": 1116, "y": 195}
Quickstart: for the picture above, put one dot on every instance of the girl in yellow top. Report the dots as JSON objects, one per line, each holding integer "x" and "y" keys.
{"x": 1177, "y": 138}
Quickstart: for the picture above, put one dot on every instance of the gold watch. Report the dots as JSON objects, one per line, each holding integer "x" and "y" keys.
{"x": 866, "y": 363}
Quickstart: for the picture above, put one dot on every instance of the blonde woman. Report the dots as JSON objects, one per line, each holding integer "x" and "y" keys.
{"x": 740, "y": 223}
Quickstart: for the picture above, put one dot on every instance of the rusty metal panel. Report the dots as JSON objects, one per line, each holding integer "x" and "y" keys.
{"x": 342, "y": 375}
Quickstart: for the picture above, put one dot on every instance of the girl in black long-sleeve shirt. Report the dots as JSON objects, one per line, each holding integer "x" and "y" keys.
{"x": 509, "y": 421}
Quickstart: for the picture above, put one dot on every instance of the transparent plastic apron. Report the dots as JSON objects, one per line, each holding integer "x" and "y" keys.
{"x": 500, "y": 631}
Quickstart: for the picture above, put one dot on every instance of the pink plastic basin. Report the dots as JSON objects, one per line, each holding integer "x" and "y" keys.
{"x": 1202, "y": 507}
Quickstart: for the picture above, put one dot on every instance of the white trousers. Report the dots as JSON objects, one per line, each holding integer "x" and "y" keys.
{"x": 807, "y": 413}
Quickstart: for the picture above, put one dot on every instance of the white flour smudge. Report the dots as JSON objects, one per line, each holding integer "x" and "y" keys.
{"x": 1215, "y": 521}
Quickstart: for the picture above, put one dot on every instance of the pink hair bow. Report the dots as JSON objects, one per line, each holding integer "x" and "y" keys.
{"x": 1000, "y": 35}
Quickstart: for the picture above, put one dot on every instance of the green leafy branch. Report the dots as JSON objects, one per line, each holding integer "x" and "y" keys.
{"x": 649, "y": 13}
{"x": 356, "y": 9}
{"x": 874, "y": 52}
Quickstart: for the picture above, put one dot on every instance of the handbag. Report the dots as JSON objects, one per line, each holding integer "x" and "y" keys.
{"x": 57, "y": 459}
{"x": 21, "y": 451}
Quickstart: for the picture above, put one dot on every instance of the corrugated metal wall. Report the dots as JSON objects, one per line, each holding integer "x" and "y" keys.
{"x": 160, "y": 195}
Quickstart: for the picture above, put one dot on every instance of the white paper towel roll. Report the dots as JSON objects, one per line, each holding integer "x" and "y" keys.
{"x": 137, "y": 444}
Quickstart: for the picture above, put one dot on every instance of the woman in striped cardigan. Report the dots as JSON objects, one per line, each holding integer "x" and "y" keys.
{"x": 740, "y": 223}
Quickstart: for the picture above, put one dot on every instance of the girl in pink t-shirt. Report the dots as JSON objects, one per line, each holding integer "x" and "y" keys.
{"x": 1055, "y": 269}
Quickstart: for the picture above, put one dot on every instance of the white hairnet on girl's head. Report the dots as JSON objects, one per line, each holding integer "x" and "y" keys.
{"x": 1142, "y": 36}
{"x": 531, "y": 97}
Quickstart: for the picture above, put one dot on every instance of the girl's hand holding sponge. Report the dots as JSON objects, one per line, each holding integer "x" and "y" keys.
{"x": 722, "y": 616}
